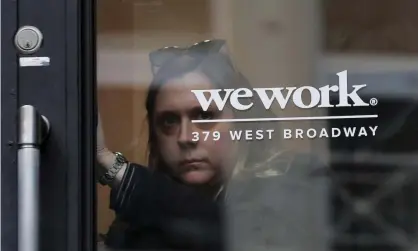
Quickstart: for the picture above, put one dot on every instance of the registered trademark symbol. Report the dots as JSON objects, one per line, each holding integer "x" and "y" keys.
{"x": 373, "y": 101}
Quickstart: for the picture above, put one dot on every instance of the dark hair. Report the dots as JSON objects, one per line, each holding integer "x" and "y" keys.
{"x": 218, "y": 68}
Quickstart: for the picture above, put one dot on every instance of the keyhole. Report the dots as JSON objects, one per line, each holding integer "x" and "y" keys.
{"x": 27, "y": 45}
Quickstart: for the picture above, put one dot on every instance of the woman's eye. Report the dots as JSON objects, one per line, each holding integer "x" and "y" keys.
{"x": 169, "y": 121}
{"x": 206, "y": 115}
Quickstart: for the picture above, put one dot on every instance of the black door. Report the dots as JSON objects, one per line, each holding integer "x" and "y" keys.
{"x": 57, "y": 81}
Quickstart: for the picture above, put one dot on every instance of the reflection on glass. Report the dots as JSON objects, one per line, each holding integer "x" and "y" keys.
{"x": 236, "y": 132}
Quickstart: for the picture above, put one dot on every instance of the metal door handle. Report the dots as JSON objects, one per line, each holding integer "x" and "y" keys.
{"x": 33, "y": 130}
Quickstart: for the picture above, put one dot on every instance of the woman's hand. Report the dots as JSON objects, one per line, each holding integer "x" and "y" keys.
{"x": 105, "y": 157}
{"x": 101, "y": 148}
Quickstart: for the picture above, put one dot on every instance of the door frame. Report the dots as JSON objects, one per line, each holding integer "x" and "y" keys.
{"x": 65, "y": 92}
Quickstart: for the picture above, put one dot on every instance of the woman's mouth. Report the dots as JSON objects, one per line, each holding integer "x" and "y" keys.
{"x": 192, "y": 165}
{"x": 195, "y": 171}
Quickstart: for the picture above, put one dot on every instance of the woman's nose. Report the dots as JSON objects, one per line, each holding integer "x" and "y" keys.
{"x": 186, "y": 137}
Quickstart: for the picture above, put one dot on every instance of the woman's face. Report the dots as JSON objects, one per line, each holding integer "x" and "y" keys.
{"x": 194, "y": 162}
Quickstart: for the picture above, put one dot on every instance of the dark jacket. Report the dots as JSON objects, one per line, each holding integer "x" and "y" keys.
{"x": 267, "y": 210}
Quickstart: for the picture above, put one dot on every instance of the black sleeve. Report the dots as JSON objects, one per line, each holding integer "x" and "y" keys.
{"x": 147, "y": 199}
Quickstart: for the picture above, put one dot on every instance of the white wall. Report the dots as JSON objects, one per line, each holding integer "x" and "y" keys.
{"x": 131, "y": 66}
{"x": 283, "y": 54}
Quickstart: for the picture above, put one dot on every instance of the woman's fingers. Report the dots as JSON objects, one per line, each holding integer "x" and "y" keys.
{"x": 100, "y": 145}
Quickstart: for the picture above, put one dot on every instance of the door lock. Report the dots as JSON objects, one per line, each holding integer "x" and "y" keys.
{"x": 28, "y": 39}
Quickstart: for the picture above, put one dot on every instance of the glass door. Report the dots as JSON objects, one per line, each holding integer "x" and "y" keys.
{"x": 208, "y": 125}
{"x": 294, "y": 119}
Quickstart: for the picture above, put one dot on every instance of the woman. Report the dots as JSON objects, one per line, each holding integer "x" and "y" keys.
{"x": 213, "y": 193}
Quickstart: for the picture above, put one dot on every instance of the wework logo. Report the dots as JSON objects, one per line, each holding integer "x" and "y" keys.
{"x": 317, "y": 97}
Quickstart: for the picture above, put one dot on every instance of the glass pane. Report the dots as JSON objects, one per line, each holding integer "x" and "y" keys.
{"x": 229, "y": 125}
{"x": 371, "y": 26}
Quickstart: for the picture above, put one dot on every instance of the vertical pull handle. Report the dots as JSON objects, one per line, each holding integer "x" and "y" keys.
{"x": 33, "y": 129}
